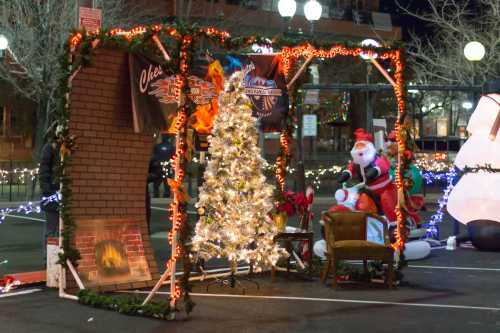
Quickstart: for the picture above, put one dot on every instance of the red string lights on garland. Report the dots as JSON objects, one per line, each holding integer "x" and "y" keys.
{"x": 281, "y": 161}
{"x": 395, "y": 57}
{"x": 178, "y": 216}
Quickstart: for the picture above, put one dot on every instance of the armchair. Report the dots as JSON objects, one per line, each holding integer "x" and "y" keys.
{"x": 346, "y": 238}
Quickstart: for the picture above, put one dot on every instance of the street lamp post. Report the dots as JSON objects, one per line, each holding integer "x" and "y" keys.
{"x": 474, "y": 52}
{"x": 287, "y": 9}
{"x": 369, "y": 69}
{"x": 312, "y": 11}
{"x": 4, "y": 44}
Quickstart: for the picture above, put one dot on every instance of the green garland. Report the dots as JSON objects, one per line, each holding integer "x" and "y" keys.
{"x": 65, "y": 144}
{"x": 126, "y": 305}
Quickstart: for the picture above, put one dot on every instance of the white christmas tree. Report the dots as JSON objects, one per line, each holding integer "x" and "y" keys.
{"x": 235, "y": 200}
{"x": 477, "y": 195}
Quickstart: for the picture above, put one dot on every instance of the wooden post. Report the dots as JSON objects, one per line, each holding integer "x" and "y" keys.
{"x": 299, "y": 72}
{"x": 75, "y": 274}
{"x": 157, "y": 286}
{"x": 383, "y": 71}
{"x": 161, "y": 48}
{"x": 169, "y": 272}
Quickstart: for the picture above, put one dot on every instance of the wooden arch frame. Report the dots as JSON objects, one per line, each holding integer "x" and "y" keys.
{"x": 289, "y": 54}
{"x": 309, "y": 52}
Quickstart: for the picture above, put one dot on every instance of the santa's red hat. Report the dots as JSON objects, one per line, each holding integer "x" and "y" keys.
{"x": 361, "y": 135}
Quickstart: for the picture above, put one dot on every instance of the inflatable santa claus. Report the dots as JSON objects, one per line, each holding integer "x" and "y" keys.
{"x": 373, "y": 170}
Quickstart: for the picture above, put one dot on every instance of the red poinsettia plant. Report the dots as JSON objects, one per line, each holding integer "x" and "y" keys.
{"x": 292, "y": 203}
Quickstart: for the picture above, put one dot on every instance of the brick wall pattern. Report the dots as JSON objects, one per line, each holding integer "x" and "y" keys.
{"x": 109, "y": 167}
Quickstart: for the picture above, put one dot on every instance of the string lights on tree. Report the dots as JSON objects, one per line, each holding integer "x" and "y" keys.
{"x": 234, "y": 200}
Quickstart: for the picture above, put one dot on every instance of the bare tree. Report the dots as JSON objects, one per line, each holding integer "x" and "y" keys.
{"x": 440, "y": 59}
{"x": 37, "y": 31}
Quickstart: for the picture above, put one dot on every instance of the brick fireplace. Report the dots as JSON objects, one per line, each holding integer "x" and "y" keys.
{"x": 112, "y": 252}
{"x": 109, "y": 171}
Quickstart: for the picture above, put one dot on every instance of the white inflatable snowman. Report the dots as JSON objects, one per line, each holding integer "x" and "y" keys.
{"x": 475, "y": 200}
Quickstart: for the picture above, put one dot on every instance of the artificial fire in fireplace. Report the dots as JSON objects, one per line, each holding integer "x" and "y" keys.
{"x": 111, "y": 259}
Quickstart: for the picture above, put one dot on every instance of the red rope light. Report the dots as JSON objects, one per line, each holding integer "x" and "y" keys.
{"x": 290, "y": 54}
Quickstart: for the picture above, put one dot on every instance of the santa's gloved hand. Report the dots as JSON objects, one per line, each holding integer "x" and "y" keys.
{"x": 371, "y": 173}
{"x": 344, "y": 176}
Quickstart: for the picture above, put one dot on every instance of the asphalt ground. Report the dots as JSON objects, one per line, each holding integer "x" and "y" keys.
{"x": 451, "y": 291}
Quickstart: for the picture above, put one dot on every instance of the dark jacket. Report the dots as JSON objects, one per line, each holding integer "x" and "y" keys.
{"x": 155, "y": 171}
{"x": 49, "y": 184}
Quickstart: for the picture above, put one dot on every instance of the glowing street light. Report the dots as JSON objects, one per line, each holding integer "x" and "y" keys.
{"x": 369, "y": 43}
{"x": 312, "y": 10}
{"x": 474, "y": 51}
{"x": 467, "y": 105}
{"x": 287, "y": 8}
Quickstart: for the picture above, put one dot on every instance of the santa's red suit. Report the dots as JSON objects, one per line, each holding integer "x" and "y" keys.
{"x": 373, "y": 170}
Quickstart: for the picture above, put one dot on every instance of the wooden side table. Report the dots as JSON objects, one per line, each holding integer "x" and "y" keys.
{"x": 291, "y": 237}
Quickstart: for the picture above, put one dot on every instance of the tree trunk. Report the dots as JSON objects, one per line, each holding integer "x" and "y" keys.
{"x": 42, "y": 124}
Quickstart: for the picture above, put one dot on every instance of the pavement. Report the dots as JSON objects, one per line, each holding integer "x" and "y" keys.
{"x": 450, "y": 291}
{"x": 460, "y": 297}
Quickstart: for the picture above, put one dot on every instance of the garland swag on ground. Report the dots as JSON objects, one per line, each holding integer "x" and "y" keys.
{"x": 126, "y": 305}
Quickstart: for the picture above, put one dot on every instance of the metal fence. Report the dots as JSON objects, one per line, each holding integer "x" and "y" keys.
{"x": 18, "y": 182}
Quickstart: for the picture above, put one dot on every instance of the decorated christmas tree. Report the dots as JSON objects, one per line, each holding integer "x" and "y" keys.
{"x": 235, "y": 200}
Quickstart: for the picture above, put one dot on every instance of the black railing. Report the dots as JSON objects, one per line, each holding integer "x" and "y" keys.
{"x": 440, "y": 144}
{"x": 18, "y": 183}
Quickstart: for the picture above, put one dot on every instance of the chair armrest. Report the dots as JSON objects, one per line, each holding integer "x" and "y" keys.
{"x": 329, "y": 235}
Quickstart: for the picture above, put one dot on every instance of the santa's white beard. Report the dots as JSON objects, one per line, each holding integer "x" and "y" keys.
{"x": 364, "y": 156}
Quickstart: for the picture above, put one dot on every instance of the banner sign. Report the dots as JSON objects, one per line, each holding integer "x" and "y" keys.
{"x": 154, "y": 93}
{"x": 149, "y": 110}
{"x": 266, "y": 87}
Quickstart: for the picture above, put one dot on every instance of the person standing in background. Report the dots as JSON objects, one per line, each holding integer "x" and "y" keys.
{"x": 162, "y": 153}
{"x": 49, "y": 185}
